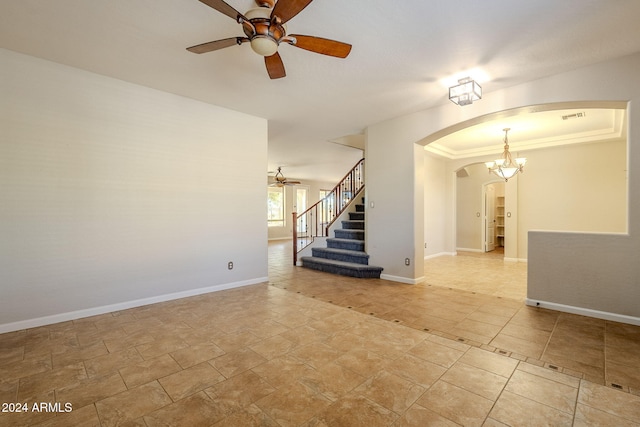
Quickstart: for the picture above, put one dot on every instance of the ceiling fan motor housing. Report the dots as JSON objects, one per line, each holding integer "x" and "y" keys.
{"x": 263, "y": 32}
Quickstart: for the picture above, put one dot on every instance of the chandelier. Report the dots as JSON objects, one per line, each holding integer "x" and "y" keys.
{"x": 505, "y": 167}
{"x": 467, "y": 91}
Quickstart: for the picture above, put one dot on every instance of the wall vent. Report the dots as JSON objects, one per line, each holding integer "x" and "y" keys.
{"x": 574, "y": 116}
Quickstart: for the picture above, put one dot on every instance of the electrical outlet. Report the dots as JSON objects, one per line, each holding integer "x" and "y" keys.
{"x": 407, "y": 261}
{"x": 230, "y": 265}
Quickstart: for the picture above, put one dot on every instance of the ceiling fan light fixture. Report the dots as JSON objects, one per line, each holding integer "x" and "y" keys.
{"x": 465, "y": 92}
{"x": 264, "y": 45}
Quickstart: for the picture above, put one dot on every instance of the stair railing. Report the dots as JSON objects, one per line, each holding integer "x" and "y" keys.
{"x": 315, "y": 221}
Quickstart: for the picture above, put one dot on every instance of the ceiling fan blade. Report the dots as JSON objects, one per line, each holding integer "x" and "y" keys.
{"x": 320, "y": 45}
{"x": 287, "y": 9}
{"x": 223, "y": 7}
{"x": 216, "y": 45}
{"x": 275, "y": 66}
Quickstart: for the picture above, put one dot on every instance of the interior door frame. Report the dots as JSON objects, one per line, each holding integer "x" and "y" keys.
{"x": 484, "y": 210}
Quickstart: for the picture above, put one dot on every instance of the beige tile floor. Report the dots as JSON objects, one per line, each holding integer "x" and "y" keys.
{"x": 378, "y": 354}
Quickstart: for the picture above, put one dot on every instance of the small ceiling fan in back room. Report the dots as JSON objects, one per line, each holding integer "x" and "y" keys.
{"x": 264, "y": 27}
{"x": 280, "y": 181}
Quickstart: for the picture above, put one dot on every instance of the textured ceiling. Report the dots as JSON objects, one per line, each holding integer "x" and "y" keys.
{"x": 401, "y": 52}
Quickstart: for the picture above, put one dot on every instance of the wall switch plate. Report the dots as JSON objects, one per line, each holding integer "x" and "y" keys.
{"x": 230, "y": 265}
{"x": 407, "y": 261}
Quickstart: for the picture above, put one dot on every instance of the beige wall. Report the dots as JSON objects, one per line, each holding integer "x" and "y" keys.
{"x": 111, "y": 194}
{"x": 579, "y": 187}
{"x": 435, "y": 198}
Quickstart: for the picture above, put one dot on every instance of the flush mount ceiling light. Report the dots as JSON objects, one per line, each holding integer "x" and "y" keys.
{"x": 465, "y": 92}
{"x": 505, "y": 167}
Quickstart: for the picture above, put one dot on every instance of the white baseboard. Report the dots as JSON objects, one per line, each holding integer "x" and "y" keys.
{"x": 426, "y": 257}
{"x": 72, "y": 315}
{"x": 614, "y": 317}
{"x": 469, "y": 250}
{"x": 402, "y": 279}
{"x": 515, "y": 259}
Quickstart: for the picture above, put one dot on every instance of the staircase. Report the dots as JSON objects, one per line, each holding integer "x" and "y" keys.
{"x": 345, "y": 253}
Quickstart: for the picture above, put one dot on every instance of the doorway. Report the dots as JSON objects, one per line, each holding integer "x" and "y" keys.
{"x": 493, "y": 225}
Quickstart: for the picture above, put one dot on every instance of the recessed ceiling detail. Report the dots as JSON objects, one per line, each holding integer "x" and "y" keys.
{"x": 533, "y": 131}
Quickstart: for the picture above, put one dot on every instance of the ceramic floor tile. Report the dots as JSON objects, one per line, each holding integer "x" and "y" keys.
{"x": 132, "y": 404}
{"x": 626, "y": 374}
{"x": 316, "y": 355}
{"x": 355, "y": 410}
{"x": 333, "y": 381}
{"x": 362, "y": 361}
{"x": 515, "y": 410}
{"x": 613, "y": 402}
{"x": 416, "y": 370}
{"x": 588, "y": 416}
{"x": 489, "y": 361}
{"x": 518, "y": 345}
{"x": 436, "y": 353}
{"x": 542, "y": 390}
{"x": 272, "y": 347}
{"x": 195, "y": 354}
{"x": 111, "y": 362}
{"x": 237, "y": 362}
{"x": 293, "y": 405}
{"x": 195, "y": 410}
{"x": 30, "y": 417}
{"x": 251, "y": 416}
{"x": 456, "y": 404}
{"x": 419, "y": 416}
{"x": 190, "y": 380}
{"x": 475, "y": 380}
{"x": 240, "y": 391}
{"x": 91, "y": 390}
{"x": 50, "y": 380}
{"x": 391, "y": 391}
{"x": 81, "y": 417}
{"x": 282, "y": 371}
{"x": 149, "y": 370}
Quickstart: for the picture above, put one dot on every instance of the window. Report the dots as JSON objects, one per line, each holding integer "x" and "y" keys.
{"x": 327, "y": 207}
{"x": 275, "y": 206}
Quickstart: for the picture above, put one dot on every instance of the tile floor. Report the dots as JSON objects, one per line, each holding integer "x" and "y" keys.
{"x": 312, "y": 349}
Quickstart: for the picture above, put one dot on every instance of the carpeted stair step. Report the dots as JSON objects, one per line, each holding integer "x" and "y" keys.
{"x": 357, "y": 257}
{"x": 359, "y": 208}
{"x": 353, "y": 225}
{"x": 349, "y": 234}
{"x": 348, "y": 244}
{"x": 340, "y": 267}
{"x": 356, "y": 216}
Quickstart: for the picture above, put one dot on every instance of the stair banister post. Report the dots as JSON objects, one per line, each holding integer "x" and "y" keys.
{"x": 295, "y": 238}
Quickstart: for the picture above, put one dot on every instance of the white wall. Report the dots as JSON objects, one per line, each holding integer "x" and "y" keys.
{"x": 565, "y": 269}
{"x": 114, "y": 195}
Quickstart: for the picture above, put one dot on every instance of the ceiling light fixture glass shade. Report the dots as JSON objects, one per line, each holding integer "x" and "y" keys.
{"x": 505, "y": 167}
{"x": 265, "y": 46}
{"x": 467, "y": 91}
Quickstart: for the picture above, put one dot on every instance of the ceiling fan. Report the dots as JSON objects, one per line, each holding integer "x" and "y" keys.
{"x": 280, "y": 181}
{"x": 264, "y": 27}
